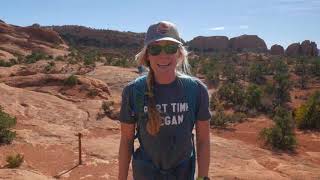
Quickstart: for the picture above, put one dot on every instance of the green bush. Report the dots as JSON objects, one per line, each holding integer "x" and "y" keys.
{"x": 282, "y": 83}
{"x": 49, "y": 66}
{"x": 34, "y": 57}
{"x": 9, "y": 63}
{"x": 237, "y": 117}
{"x": 232, "y": 93}
{"x": 256, "y": 73}
{"x": 214, "y": 101}
{"x": 220, "y": 119}
{"x": 93, "y": 92}
{"x": 229, "y": 71}
{"x": 253, "y": 97}
{"x": 107, "y": 107}
{"x": 6, "y": 122}
{"x": 210, "y": 69}
{"x": 307, "y": 116}
{"x": 4, "y": 63}
{"x": 315, "y": 67}
{"x": 59, "y": 58}
{"x": 281, "y": 135}
{"x": 14, "y": 161}
{"x": 71, "y": 81}
{"x": 301, "y": 69}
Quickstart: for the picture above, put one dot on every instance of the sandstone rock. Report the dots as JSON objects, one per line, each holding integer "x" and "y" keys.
{"x": 248, "y": 43}
{"x": 308, "y": 48}
{"x": 213, "y": 43}
{"x": 293, "y": 49}
{"x": 38, "y": 82}
{"x": 22, "y": 174}
{"x": 277, "y": 50}
{"x": 25, "y": 40}
{"x": 42, "y": 34}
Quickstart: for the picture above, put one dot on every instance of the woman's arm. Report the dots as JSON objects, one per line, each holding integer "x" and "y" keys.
{"x": 203, "y": 147}
{"x": 125, "y": 150}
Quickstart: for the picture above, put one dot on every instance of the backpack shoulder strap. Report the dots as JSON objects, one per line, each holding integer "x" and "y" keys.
{"x": 138, "y": 92}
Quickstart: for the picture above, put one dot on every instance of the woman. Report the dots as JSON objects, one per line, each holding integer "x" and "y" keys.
{"x": 163, "y": 107}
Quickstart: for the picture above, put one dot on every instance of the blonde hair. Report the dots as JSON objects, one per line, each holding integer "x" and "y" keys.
{"x": 183, "y": 67}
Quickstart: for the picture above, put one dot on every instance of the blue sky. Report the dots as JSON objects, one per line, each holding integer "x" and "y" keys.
{"x": 276, "y": 21}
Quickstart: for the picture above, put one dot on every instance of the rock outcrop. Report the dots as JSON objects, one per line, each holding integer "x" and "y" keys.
{"x": 248, "y": 43}
{"x": 277, "y": 50}
{"x": 242, "y": 43}
{"x": 22, "y": 41}
{"x": 213, "y": 43}
{"x": 306, "y": 48}
{"x": 293, "y": 49}
{"x": 309, "y": 48}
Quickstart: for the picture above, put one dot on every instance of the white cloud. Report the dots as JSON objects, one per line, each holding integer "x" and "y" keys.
{"x": 244, "y": 27}
{"x": 217, "y": 28}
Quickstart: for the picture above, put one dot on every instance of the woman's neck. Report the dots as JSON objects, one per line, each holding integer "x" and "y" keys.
{"x": 167, "y": 79}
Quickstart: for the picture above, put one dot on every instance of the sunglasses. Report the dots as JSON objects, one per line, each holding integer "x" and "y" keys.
{"x": 155, "y": 50}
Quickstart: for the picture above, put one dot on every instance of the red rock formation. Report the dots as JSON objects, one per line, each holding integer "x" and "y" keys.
{"x": 220, "y": 43}
{"x": 22, "y": 41}
{"x": 308, "y": 48}
{"x": 42, "y": 34}
{"x": 277, "y": 50}
{"x": 293, "y": 49}
{"x": 248, "y": 43}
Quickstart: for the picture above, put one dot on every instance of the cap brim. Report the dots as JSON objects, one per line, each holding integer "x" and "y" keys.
{"x": 163, "y": 39}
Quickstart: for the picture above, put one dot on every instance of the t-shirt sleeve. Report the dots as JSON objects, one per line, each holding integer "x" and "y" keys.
{"x": 126, "y": 111}
{"x": 203, "y": 112}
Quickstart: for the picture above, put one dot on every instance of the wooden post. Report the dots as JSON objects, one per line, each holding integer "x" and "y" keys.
{"x": 80, "y": 159}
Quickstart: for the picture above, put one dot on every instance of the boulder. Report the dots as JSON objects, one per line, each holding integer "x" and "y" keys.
{"x": 277, "y": 50}
{"x": 211, "y": 43}
{"x": 309, "y": 48}
{"x": 248, "y": 43}
{"x": 293, "y": 49}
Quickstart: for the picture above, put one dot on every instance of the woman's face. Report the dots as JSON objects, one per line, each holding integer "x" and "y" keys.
{"x": 163, "y": 64}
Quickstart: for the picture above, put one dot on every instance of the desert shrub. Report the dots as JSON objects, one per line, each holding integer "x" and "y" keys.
{"x": 237, "y": 117}
{"x": 194, "y": 65}
{"x": 253, "y": 97}
{"x": 4, "y": 63}
{"x": 34, "y": 57}
{"x": 59, "y": 58}
{"x": 301, "y": 69}
{"x": 315, "y": 67}
{"x": 230, "y": 73}
{"x": 232, "y": 93}
{"x": 93, "y": 92}
{"x": 281, "y": 83}
{"x": 256, "y": 73}
{"x": 14, "y": 161}
{"x": 214, "y": 101}
{"x": 122, "y": 62}
{"x": 220, "y": 119}
{"x": 307, "y": 116}
{"x": 71, "y": 81}
{"x": 6, "y": 122}
{"x": 210, "y": 69}
{"x": 281, "y": 135}
{"x": 49, "y": 66}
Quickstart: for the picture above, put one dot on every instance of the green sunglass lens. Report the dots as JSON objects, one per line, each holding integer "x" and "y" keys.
{"x": 171, "y": 48}
{"x": 154, "y": 50}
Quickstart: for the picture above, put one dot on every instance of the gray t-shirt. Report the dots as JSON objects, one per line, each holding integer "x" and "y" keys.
{"x": 173, "y": 143}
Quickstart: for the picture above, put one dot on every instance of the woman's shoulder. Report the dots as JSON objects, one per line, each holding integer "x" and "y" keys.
{"x": 139, "y": 81}
{"x": 194, "y": 79}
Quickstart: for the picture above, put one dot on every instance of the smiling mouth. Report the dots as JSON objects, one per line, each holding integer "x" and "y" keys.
{"x": 164, "y": 65}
